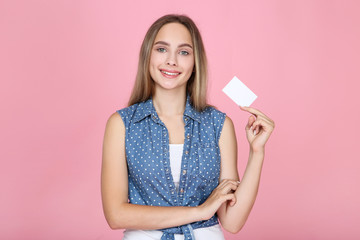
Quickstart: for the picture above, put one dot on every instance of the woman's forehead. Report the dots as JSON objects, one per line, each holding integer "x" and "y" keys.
{"x": 174, "y": 34}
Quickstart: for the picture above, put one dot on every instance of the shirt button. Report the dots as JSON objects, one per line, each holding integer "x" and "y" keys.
{"x": 186, "y": 152}
{"x": 184, "y": 172}
{"x": 154, "y": 117}
{"x": 188, "y": 136}
{"x": 186, "y": 119}
{"x": 182, "y": 190}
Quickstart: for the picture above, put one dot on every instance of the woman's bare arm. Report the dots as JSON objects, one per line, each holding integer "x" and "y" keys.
{"x": 114, "y": 189}
{"x": 233, "y": 214}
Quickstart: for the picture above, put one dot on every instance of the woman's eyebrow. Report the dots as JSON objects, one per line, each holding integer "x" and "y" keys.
{"x": 185, "y": 45}
{"x": 167, "y": 44}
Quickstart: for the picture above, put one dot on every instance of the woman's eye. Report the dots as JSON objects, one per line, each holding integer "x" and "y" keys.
{"x": 161, "y": 50}
{"x": 184, "y": 52}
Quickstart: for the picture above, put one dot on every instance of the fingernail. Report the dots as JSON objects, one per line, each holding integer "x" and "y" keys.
{"x": 255, "y": 132}
{"x": 238, "y": 181}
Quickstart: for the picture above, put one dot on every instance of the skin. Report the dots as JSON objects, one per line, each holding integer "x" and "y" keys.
{"x": 232, "y": 200}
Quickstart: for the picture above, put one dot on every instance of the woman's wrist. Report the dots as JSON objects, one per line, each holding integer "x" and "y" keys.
{"x": 201, "y": 213}
{"x": 256, "y": 156}
{"x": 260, "y": 150}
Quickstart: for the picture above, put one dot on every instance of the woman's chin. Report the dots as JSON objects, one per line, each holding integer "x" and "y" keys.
{"x": 170, "y": 86}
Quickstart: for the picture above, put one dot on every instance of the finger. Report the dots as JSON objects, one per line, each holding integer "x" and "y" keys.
{"x": 225, "y": 189}
{"x": 225, "y": 181}
{"x": 232, "y": 202}
{"x": 254, "y": 111}
{"x": 251, "y": 120}
{"x": 228, "y": 187}
{"x": 262, "y": 124}
{"x": 229, "y": 197}
{"x": 257, "y": 129}
{"x": 271, "y": 122}
{"x": 254, "y": 128}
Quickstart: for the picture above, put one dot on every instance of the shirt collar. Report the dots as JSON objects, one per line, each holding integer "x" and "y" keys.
{"x": 147, "y": 108}
{"x": 144, "y": 109}
{"x": 190, "y": 111}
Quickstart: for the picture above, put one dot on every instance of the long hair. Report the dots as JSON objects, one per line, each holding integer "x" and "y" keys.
{"x": 197, "y": 84}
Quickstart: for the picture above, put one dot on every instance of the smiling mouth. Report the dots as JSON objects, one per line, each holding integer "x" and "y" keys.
{"x": 170, "y": 73}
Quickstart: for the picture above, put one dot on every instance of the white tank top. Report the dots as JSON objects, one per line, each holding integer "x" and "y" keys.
{"x": 213, "y": 232}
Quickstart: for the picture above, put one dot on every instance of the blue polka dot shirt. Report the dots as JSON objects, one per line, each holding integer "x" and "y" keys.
{"x": 147, "y": 156}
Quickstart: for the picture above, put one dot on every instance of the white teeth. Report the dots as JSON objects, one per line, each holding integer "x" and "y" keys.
{"x": 169, "y": 73}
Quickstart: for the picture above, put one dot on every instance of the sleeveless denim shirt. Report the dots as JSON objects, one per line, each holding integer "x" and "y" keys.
{"x": 147, "y": 155}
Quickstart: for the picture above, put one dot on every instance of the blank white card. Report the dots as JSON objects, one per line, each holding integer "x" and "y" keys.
{"x": 239, "y": 93}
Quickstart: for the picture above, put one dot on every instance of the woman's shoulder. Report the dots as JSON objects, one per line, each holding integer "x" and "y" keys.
{"x": 120, "y": 119}
{"x": 114, "y": 123}
{"x": 135, "y": 112}
{"x": 127, "y": 110}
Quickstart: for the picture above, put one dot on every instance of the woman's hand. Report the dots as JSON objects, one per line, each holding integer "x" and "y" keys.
{"x": 258, "y": 128}
{"x": 222, "y": 193}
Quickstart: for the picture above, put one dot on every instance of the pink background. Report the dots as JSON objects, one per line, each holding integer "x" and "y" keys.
{"x": 66, "y": 65}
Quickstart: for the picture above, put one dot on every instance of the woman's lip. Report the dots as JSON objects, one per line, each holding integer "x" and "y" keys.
{"x": 170, "y": 71}
{"x": 170, "y": 74}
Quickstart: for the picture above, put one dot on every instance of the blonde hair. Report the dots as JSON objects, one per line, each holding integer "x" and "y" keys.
{"x": 197, "y": 83}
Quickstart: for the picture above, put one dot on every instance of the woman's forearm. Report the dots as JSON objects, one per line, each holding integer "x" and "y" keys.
{"x": 236, "y": 216}
{"x": 132, "y": 216}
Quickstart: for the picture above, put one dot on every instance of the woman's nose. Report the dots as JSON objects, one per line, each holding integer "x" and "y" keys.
{"x": 171, "y": 60}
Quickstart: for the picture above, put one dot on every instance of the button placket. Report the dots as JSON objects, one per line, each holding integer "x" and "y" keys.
{"x": 154, "y": 117}
{"x": 166, "y": 161}
{"x": 185, "y": 160}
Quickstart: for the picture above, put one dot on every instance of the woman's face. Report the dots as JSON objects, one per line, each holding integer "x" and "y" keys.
{"x": 172, "y": 57}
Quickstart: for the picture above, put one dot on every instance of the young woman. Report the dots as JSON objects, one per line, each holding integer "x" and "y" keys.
{"x": 169, "y": 167}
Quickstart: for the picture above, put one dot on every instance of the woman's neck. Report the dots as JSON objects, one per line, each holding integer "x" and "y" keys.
{"x": 169, "y": 103}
